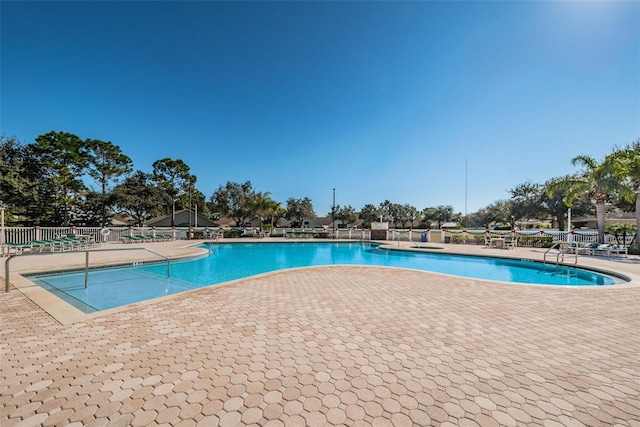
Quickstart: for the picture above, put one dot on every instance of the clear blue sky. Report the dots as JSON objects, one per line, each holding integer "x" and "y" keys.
{"x": 379, "y": 100}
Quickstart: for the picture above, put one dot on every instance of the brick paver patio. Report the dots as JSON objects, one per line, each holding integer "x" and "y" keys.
{"x": 331, "y": 346}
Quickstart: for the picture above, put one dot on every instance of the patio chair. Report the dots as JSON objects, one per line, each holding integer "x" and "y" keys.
{"x": 510, "y": 242}
{"x": 581, "y": 248}
{"x": 132, "y": 239}
{"x": 63, "y": 244}
{"x": 74, "y": 243}
{"x": 602, "y": 249}
{"x": 619, "y": 249}
{"x": 17, "y": 248}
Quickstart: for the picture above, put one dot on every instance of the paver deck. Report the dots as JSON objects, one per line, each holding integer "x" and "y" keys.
{"x": 340, "y": 345}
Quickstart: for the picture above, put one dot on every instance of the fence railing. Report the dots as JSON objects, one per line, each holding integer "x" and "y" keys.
{"x": 26, "y": 235}
{"x": 477, "y": 236}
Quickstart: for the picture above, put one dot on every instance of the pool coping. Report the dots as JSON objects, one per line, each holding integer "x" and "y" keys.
{"x": 65, "y": 313}
{"x": 602, "y": 271}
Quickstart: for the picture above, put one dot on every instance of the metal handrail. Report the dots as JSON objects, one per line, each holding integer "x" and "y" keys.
{"x": 561, "y": 251}
{"x": 86, "y": 266}
{"x": 544, "y": 258}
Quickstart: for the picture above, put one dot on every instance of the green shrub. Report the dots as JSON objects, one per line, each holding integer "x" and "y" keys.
{"x": 634, "y": 250}
{"x": 232, "y": 233}
{"x": 457, "y": 238}
{"x": 479, "y": 239}
{"x": 535, "y": 241}
{"x": 321, "y": 235}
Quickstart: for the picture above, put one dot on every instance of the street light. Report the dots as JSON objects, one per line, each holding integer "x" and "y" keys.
{"x": 333, "y": 213}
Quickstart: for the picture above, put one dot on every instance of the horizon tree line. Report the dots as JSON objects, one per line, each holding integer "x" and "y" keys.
{"x": 43, "y": 183}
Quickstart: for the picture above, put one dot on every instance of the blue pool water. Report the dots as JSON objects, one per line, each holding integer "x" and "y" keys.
{"x": 115, "y": 287}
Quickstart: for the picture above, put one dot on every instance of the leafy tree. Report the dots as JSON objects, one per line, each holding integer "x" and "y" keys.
{"x": 89, "y": 211}
{"x": 384, "y": 210}
{"x": 599, "y": 179}
{"x": 553, "y": 203}
{"x": 439, "y": 214}
{"x": 139, "y": 197}
{"x": 369, "y": 214}
{"x": 173, "y": 178}
{"x": 235, "y": 201}
{"x": 298, "y": 210}
{"x": 527, "y": 201}
{"x": 200, "y": 200}
{"x": 428, "y": 216}
{"x": 396, "y": 213}
{"x": 346, "y": 215}
{"x": 107, "y": 164}
{"x": 189, "y": 197}
{"x": 411, "y": 214}
{"x": 63, "y": 157}
{"x": 18, "y": 179}
{"x": 506, "y": 212}
{"x": 477, "y": 219}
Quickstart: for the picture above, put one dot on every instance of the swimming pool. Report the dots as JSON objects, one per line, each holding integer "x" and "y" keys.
{"x": 113, "y": 287}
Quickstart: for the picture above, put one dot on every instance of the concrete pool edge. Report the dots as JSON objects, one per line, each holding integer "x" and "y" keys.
{"x": 605, "y": 272}
{"x": 65, "y": 313}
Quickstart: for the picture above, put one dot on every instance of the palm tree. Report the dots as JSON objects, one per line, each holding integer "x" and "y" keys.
{"x": 597, "y": 179}
{"x": 275, "y": 211}
{"x": 629, "y": 172}
{"x": 262, "y": 206}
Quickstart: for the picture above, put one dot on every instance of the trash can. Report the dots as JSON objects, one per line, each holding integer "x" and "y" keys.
{"x": 447, "y": 239}
{"x": 423, "y": 237}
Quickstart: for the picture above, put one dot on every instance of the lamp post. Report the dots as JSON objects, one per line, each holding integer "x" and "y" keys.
{"x": 333, "y": 213}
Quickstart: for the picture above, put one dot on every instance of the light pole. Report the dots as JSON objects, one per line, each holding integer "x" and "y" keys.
{"x": 333, "y": 213}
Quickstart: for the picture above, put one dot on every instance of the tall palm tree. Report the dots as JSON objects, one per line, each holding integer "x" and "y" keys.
{"x": 275, "y": 211}
{"x": 629, "y": 172}
{"x": 599, "y": 179}
{"x": 261, "y": 207}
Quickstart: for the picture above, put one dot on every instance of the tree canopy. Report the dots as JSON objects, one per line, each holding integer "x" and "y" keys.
{"x": 48, "y": 182}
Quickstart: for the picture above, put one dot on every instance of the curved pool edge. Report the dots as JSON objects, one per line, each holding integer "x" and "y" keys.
{"x": 68, "y": 314}
{"x": 594, "y": 264}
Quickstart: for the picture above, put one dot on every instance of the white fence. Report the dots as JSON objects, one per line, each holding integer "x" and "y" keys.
{"x": 116, "y": 234}
{"x": 472, "y": 236}
{"x": 103, "y": 235}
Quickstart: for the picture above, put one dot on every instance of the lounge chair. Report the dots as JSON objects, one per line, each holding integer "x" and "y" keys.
{"x": 581, "y": 248}
{"x": 132, "y": 239}
{"x": 47, "y": 245}
{"x": 17, "y": 248}
{"x": 602, "y": 249}
{"x": 63, "y": 244}
{"x": 74, "y": 243}
{"x": 619, "y": 249}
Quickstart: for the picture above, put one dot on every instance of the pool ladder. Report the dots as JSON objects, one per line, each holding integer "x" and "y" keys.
{"x": 561, "y": 252}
